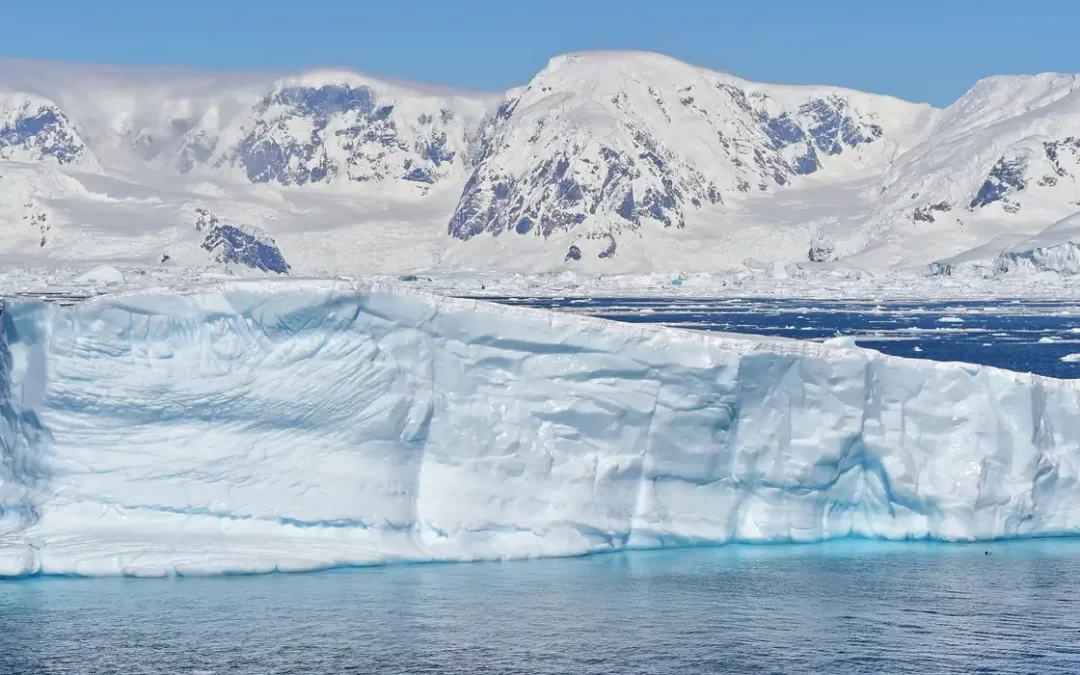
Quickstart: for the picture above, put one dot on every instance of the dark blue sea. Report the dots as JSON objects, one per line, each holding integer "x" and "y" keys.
{"x": 846, "y": 607}
{"x": 1023, "y": 335}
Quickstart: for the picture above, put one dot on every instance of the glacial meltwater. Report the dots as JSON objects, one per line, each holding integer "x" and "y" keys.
{"x": 841, "y": 607}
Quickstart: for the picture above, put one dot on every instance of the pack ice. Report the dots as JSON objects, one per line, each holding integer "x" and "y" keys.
{"x": 302, "y": 425}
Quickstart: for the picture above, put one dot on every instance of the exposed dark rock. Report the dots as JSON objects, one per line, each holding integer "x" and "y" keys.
{"x": 341, "y": 118}
{"x": 821, "y": 250}
{"x": 609, "y": 250}
{"x": 1007, "y": 175}
{"x": 926, "y": 213}
{"x": 238, "y": 245}
{"x": 46, "y": 133}
{"x": 938, "y": 269}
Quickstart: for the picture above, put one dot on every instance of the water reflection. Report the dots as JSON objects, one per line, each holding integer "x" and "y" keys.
{"x": 846, "y": 607}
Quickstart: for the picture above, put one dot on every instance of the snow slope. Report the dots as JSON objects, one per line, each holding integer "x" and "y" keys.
{"x": 999, "y": 164}
{"x": 296, "y": 425}
{"x": 604, "y": 163}
{"x": 1055, "y": 249}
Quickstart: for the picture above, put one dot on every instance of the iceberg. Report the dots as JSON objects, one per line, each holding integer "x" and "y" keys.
{"x": 295, "y": 425}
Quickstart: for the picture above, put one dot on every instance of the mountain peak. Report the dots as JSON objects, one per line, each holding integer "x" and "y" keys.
{"x": 602, "y": 146}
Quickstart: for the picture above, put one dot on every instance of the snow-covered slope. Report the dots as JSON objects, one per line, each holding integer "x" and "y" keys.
{"x": 605, "y": 162}
{"x": 1055, "y": 249}
{"x": 300, "y": 425}
{"x": 1001, "y": 163}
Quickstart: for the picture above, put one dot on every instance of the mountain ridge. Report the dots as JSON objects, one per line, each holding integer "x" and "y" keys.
{"x": 604, "y": 161}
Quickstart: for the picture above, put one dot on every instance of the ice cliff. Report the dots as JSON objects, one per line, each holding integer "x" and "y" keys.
{"x": 296, "y": 425}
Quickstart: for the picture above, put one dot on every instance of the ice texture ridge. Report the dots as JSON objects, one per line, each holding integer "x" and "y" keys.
{"x": 296, "y": 425}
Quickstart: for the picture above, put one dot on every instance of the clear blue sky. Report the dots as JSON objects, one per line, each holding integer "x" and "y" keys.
{"x": 915, "y": 49}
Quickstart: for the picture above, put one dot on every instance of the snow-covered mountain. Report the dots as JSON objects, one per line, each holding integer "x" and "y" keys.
{"x": 607, "y": 144}
{"x": 604, "y": 162}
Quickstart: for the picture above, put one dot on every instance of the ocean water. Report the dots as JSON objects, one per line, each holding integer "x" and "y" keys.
{"x": 1023, "y": 335}
{"x": 842, "y": 607}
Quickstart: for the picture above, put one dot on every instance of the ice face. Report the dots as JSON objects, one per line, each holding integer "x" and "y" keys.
{"x": 300, "y": 425}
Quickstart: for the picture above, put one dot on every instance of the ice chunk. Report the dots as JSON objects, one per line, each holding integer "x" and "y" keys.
{"x": 103, "y": 275}
{"x": 299, "y": 425}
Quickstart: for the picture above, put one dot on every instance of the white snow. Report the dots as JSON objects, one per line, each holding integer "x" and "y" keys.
{"x": 296, "y": 425}
{"x": 1071, "y": 358}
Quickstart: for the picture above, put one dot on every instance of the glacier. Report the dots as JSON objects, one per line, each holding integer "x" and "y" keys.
{"x": 257, "y": 426}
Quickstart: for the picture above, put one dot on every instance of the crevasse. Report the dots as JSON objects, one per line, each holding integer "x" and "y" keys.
{"x": 293, "y": 425}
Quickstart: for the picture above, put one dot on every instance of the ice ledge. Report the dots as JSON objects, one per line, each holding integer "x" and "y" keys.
{"x": 258, "y": 426}
{"x": 439, "y": 302}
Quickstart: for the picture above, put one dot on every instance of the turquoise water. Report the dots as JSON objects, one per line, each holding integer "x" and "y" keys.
{"x": 844, "y": 607}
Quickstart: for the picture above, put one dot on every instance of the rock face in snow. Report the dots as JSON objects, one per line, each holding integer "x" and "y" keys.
{"x": 33, "y": 130}
{"x": 239, "y": 245}
{"x": 301, "y": 425}
{"x": 245, "y": 246}
{"x": 1007, "y": 143}
{"x": 302, "y": 133}
{"x": 609, "y": 143}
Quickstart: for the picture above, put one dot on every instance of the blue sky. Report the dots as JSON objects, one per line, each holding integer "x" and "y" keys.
{"x": 915, "y": 49}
